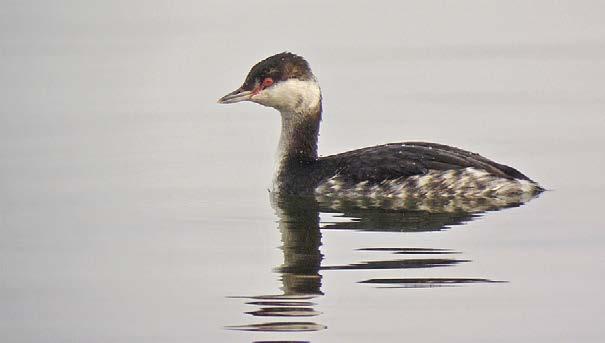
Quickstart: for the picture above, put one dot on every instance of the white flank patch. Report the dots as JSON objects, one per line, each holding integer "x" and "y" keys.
{"x": 452, "y": 190}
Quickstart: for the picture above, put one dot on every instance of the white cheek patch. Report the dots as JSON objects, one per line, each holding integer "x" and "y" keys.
{"x": 290, "y": 96}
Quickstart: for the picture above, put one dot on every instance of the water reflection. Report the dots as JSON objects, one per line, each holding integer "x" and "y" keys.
{"x": 301, "y": 271}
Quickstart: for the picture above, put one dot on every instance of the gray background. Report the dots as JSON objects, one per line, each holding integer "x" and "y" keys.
{"x": 131, "y": 203}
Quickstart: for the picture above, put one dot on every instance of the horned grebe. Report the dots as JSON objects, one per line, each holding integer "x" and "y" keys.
{"x": 400, "y": 172}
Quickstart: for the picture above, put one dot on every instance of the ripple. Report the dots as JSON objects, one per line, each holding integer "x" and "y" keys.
{"x": 280, "y": 327}
{"x": 427, "y": 282}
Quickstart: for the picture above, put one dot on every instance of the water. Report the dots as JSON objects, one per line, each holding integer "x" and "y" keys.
{"x": 134, "y": 208}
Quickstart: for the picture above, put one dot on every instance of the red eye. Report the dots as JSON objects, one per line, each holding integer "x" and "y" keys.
{"x": 267, "y": 82}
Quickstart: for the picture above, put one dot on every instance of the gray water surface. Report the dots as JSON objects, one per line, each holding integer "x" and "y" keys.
{"x": 133, "y": 208}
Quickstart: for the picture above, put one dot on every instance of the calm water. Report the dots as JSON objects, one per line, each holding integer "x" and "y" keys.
{"x": 133, "y": 208}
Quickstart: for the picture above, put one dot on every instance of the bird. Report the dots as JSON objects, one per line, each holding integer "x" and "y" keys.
{"x": 400, "y": 173}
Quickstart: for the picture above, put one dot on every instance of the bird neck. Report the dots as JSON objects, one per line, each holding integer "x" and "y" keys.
{"x": 297, "y": 147}
{"x": 299, "y": 135}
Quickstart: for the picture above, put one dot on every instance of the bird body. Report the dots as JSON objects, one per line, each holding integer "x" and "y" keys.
{"x": 411, "y": 172}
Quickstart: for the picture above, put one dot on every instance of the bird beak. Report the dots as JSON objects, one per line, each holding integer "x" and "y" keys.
{"x": 235, "y": 96}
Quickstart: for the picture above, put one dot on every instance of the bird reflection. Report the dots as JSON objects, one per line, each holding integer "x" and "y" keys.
{"x": 301, "y": 240}
{"x": 302, "y": 269}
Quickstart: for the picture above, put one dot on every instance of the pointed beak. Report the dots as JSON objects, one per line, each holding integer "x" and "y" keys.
{"x": 235, "y": 96}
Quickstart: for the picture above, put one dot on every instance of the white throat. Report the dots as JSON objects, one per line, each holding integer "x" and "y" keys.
{"x": 299, "y": 103}
{"x": 289, "y": 123}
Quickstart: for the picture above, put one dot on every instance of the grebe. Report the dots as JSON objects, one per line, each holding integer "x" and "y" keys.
{"x": 402, "y": 172}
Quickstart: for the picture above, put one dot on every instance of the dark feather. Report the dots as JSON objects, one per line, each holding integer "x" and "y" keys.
{"x": 395, "y": 160}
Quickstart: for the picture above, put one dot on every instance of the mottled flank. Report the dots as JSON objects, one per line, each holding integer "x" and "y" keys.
{"x": 468, "y": 190}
